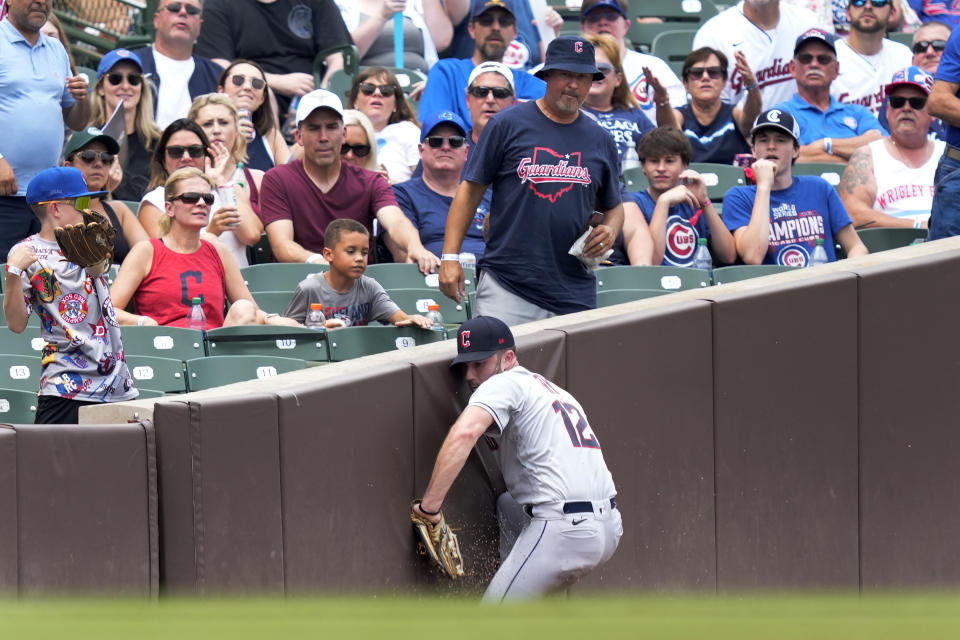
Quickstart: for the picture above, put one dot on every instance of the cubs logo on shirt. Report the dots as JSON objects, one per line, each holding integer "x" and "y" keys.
{"x": 552, "y": 174}
{"x": 681, "y": 241}
{"x": 793, "y": 255}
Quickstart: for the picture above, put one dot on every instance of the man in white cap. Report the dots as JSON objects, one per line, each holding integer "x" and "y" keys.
{"x": 780, "y": 220}
{"x": 489, "y": 90}
{"x": 299, "y": 199}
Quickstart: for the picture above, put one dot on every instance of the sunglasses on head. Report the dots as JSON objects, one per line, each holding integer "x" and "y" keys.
{"x": 436, "y": 142}
{"x": 714, "y": 73}
{"x": 482, "y": 92}
{"x": 921, "y": 45}
{"x": 605, "y": 68}
{"x": 176, "y": 151}
{"x": 875, "y": 3}
{"x": 822, "y": 58}
{"x": 175, "y": 7}
{"x": 359, "y": 150}
{"x": 503, "y": 19}
{"x": 89, "y": 156}
{"x": 193, "y": 197}
{"x": 133, "y": 78}
{"x": 238, "y": 80}
{"x": 916, "y": 102}
{"x": 386, "y": 90}
{"x": 83, "y": 202}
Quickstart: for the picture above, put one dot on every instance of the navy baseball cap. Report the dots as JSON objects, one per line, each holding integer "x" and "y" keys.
{"x": 115, "y": 56}
{"x": 570, "y": 53}
{"x": 480, "y": 6}
{"x": 590, "y": 5}
{"x": 816, "y": 34}
{"x": 443, "y": 117}
{"x": 776, "y": 119}
{"x": 81, "y": 139}
{"x": 480, "y": 337}
{"x": 59, "y": 183}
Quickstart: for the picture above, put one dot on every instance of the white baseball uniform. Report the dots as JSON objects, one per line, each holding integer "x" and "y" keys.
{"x": 633, "y": 64}
{"x": 862, "y": 78}
{"x": 902, "y": 191}
{"x": 552, "y": 466}
{"x": 768, "y": 52}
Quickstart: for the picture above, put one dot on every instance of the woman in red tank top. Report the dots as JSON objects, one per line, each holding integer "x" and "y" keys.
{"x": 163, "y": 276}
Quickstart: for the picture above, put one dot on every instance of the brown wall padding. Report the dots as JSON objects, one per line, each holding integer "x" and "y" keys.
{"x": 84, "y": 498}
{"x": 785, "y": 363}
{"x": 220, "y": 497}
{"x": 650, "y": 401}
{"x": 8, "y": 510}
{"x": 909, "y": 408}
{"x": 347, "y": 473}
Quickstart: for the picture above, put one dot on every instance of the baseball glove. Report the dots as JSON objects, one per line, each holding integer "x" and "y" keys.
{"x": 438, "y": 542}
{"x": 89, "y": 243}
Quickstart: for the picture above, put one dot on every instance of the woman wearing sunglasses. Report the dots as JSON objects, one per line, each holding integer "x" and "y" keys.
{"x": 610, "y": 100}
{"x": 378, "y": 95}
{"x": 153, "y": 274}
{"x": 246, "y": 83}
{"x": 120, "y": 80}
{"x": 359, "y": 146}
{"x": 717, "y": 131}
{"x": 93, "y": 152}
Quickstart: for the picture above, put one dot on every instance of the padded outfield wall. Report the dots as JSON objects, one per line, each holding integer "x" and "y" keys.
{"x": 791, "y": 431}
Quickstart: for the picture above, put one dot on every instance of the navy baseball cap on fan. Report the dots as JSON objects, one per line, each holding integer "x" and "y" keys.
{"x": 481, "y": 337}
{"x": 570, "y": 53}
{"x": 590, "y": 5}
{"x": 115, "y": 56}
{"x": 776, "y": 119}
{"x": 443, "y": 117}
{"x": 816, "y": 34}
{"x": 480, "y": 6}
{"x": 59, "y": 183}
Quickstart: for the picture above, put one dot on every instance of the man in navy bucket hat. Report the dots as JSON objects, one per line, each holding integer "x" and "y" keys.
{"x": 559, "y": 518}
{"x": 550, "y": 166}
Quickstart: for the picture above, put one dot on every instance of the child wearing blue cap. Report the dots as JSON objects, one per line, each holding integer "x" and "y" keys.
{"x": 83, "y": 360}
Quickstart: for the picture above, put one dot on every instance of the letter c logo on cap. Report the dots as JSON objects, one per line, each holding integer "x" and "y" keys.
{"x": 578, "y": 46}
{"x": 773, "y": 116}
{"x": 465, "y": 339}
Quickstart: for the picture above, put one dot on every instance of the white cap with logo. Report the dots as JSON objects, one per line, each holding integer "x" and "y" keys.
{"x": 492, "y": 66}
{"x": 318, "y": 99}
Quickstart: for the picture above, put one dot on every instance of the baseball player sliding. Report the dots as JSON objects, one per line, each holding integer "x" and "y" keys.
{"x": 552, "y": 465}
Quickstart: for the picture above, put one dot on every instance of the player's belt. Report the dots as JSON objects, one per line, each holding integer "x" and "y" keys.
{"x": 952, "y": 152}
{"x": 584, "y": 507}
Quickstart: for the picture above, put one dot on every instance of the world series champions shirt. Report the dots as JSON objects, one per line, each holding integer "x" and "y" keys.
{"x": 806, "y": 210}
{"x": 547, "y": 179}
{"x": 83, "y": 358}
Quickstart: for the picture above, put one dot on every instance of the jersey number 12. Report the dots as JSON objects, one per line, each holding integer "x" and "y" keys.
{"x": 581, "y": 435}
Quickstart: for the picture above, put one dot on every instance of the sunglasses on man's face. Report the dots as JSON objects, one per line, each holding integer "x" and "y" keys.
{"x": 193, "y": 197}
{"x": 714, "y": 73}
{"x": 238, "y": 80}
{"x": 916, "y": 102}
{"x": 90, "y": 157}
{"x": 487, "y": 20}
{"x": 605, "y": 68}
{"x": 436, "y": 142}
{"x": 922, "y": 45}
{"x": 481, "y": 92}
{"x": 359, "y": 150}
{"x": 133, "y": 78}
{"x": 175, "y": 7}
{"x": 386, "y": 90}
{"x": 176, "y": 151}
{"x": 822, "y": 58}
{"x": 876, "y": 3}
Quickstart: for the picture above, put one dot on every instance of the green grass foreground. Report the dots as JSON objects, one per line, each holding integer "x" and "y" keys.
{"x": 873, "y": 617}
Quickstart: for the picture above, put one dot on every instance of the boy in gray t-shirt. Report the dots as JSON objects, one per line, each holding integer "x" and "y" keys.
{"x": 349, "y": 298}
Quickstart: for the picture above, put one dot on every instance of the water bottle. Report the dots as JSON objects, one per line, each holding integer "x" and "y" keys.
{"x": 819, "y": 255}
{"x": 315, "y": 318}
{"x": 195, "y": 317}
{"x": 245, "y": 114}
{"x": 630, "y": 158}
{"x": 702, "y": 258}
{"x": 228, "y": 192}
{"x": 433, "y": 313}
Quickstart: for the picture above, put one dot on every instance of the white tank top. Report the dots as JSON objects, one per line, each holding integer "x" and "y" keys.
{"x": 902, "y": 191}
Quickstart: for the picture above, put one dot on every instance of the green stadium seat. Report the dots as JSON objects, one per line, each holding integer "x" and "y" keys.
{"x": 396, "y": 275}
{"x": 634, "y": 179}
{"x": 268, "y": 340}
{"x": 163, "y": 342}
{"x": 32, "y": 321}
{"x": 278, "y": 276}
{"x": 355, "y": 342}
{"x": 884, "y": 239}
{"x": 216, "y": 371}
{"x": 673, "y": 46}
{"x": 829, "y": 171}
{"x": 20, "y": 372}
{"x": 611, "y": 297}
{"x": 164, "y": 375}
{"x": 738, "y": 272}
{"x": 719, "y": 178}
{"x": 28, "y": 343}
{"x": 18, "y": 407}
{"x": 273, "y": 301}
{"x": 149, "y": 393}
{"x": 658, "y": 278}
{"x": 416, "y": 301}
{"x": 674, "y": 14}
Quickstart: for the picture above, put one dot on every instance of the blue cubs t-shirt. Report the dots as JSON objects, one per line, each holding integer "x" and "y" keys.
{"x": 948, "y": 70}
{"x": 547, "y": 179}
{"x": 427, "y": 210}
{"x": 685, "y": 226}
{"x": 806, "y": 210}
{"x": 622, "y": 125}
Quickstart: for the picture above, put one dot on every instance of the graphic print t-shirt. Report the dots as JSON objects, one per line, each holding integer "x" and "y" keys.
{"x": 684, "y": 228}
{"x": 547, "y": 180}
